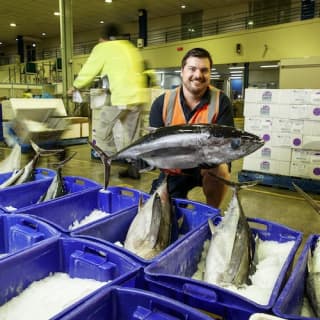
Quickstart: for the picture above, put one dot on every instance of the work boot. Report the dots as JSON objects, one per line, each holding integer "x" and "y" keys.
{"x": 131, "y": 172}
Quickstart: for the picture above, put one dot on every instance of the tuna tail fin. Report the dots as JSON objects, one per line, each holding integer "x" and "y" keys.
{"x": 312, "y": 202}
{"x": 44, "y": 152}
{"x": 236, "y": 185}
{"x": 60, "y": 164}
{"x": 106, "y": 161}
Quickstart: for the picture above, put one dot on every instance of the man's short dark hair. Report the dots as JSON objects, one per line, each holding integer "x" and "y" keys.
{"x": 110, "y": 31}
{"x": 198, "y": 53}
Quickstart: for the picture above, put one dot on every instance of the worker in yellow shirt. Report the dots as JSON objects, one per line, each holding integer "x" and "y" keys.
{"x": 121, "y": 62}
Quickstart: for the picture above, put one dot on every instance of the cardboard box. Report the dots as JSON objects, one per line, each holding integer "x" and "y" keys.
{"x": 262, "y": 95}
{"x": 314, "y": 96}
{"x": 257, "y": 124}
{"x": 272, "y": 110}
{"x": 287, "y": 125}
{"x": 266, "y": 166}
{"x": 311, "y": 128}
{"x": 272, "y": 153}
{"x": 310, "y": 142}
{"x": 293, "y": 96}
{"x": 305, "y": 156}
{"x": 305, "y": 170}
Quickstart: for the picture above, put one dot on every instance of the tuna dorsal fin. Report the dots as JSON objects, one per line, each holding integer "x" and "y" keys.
{"x": 312, "y": 202}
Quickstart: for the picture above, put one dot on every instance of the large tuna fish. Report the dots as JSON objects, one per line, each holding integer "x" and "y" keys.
{"x": 230, "y": 254}
{"x": 186, "y": 146}
{"x": 150, "y": 230}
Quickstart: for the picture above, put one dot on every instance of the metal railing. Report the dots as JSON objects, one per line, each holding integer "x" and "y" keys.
{"x": 219, "y": 25}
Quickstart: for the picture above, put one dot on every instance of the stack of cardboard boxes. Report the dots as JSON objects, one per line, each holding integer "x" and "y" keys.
{"x": 289, "y": 122}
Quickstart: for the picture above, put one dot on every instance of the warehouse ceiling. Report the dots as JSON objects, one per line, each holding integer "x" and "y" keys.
{"x": 34, "y": 17}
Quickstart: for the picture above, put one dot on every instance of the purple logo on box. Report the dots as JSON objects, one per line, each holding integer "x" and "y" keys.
{"x": 266, "y": 137}
{"x": 265, "y": 109}
{"x": 316, "y": 171}
{"x": 265, "y": 165}
{"x": 296, "y": 142}
{"x": 267, "y": 96}
{"x": 316, "y": 111}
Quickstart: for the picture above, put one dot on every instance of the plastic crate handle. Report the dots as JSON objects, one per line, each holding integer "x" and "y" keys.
{"x": 200, "y": 293}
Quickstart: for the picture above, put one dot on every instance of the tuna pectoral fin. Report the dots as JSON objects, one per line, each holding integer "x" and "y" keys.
{"x": 312, "y": 202}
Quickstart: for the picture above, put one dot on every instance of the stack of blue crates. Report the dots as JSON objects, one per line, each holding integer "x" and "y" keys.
{"x": 27, "y": 195}
{"x": 289, "y": 303}
{"x": 171, "y": 274}
{"x": 63, "y": 212}
{"x": 114, "y": 229}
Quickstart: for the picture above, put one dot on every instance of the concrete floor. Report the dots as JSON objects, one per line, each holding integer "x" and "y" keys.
{"x": 272, "y": 204}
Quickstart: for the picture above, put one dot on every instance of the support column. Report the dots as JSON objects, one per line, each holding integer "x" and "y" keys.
{"x": 143, "y": 26}
{"x": 66, "y": 36}
{"x": 245, "y": 77}
{"x": 20, "y": 48}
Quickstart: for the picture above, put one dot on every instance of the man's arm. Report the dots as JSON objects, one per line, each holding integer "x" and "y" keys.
{"x": 155, "y": 116}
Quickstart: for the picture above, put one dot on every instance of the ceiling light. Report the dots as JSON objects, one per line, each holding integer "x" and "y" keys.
{"x": 34, "y": 45}
{"x": 12, "y": 24}
{"x": 43, "y": 34}
{"x": 56, "y": 13}
{"x": 270, "y": 66}
{"x": 0, "y": 43}
{"x": 236, "y": 71}
{"x": 234, "y": 68}
{"x": 235, "y": 77}
{"x": 250, "y": 23}
{"x": 101, "y": 21}
{"x": 108, "y": 1}
{"x": 183, "y": 6}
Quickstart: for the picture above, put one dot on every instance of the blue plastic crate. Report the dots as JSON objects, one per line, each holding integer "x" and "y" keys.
{"x": 115, "y": 228}
{"x": 40, "y": 173}
{"x": 18, "y": 232}
{"x": 76, "y": 257}
{"x": 290, "y": 301}
{"x": 132, "y": 304}
{"x": 27, "y": 195}
{"x": 65, "y": 210}
{"x": 171, "y": 274}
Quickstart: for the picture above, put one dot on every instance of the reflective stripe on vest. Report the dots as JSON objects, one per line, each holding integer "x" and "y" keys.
{"x": 173, "y": 113}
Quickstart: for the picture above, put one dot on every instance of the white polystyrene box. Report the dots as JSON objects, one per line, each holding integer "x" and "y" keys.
{"x": 305, "y": 156}
{"x": 273, "y": 153}
{"x": 287, "y": 125}
{"x": 266, "y": 166}
{"x": 257, "y": 124}
{"x": 311, "y": 128}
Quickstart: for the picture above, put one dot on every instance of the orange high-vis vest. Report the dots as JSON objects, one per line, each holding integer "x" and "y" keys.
{"x": 172, "y": 113}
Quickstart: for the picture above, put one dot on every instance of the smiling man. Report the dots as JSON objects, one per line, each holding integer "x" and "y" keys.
{"x": 195, "y": 101}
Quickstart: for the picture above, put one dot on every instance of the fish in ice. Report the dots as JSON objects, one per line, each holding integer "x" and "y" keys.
{"x": 57, "y": 187}
{"x": 229, "y": 259}
{"x": 313, "y": 279}
{"x": 12, "y": 162}
{"x": 151, "y": 230}
{"x": 186, "y": 146}
{"x": 27, "y": 173}
{"x": 312, "y": 202}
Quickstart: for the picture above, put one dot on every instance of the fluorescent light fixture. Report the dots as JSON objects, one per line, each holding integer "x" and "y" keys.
{"x": 235, "y": 77}
{"x": 177, "y": 71}
{"x": 43, "y": 34}
{"x": 235, "y": 68}
{"x": 56, "y": 13}
{"x": 236, "y": 71}
{"x": 212, "y": 69}
{"x": 12, "y": 24}
{"x": 270, "y": 66}
{"x": 250, "y": 23}
{"x": 108, "y": 1}
{"x": 214, "y": 72}
{"x": 101, "y": 22}
{"x": 183, "y": 6}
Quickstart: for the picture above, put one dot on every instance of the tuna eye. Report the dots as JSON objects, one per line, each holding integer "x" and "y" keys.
{"x": 235, "y": 143}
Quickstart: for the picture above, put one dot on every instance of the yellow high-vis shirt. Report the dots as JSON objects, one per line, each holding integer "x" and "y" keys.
{"x": 122, "y": 63}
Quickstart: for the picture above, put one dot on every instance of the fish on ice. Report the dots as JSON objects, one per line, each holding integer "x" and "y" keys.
{"x": 229, "y": 259}
{"x": 186, "y": 146}
{"x": 57, "y": 187}
{"x": 27, "y": 173}
{"x": 151, "y": 230}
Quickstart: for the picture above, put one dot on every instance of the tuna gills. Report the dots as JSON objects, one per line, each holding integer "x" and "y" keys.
{"x": 312, "y": 202}
{"x": 150, "y": 230}
{"x": 313, "y": 279}
{"x": 190, "y": 146}
{"x": 57, "y": 187}
{"x": 230, "y": 253}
